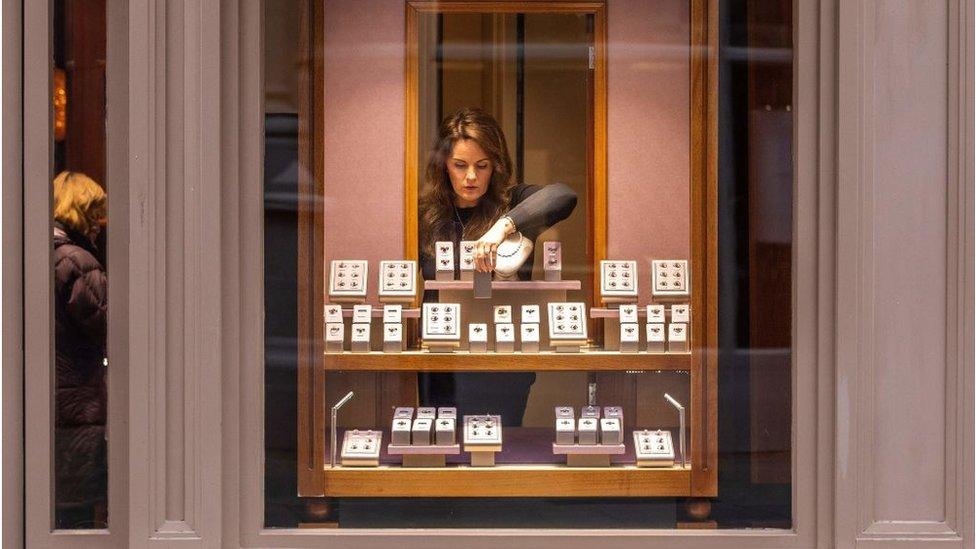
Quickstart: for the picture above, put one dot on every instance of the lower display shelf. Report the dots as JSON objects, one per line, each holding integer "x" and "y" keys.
{"x": 548, "y": 480}
{"x": 546, "y": 360}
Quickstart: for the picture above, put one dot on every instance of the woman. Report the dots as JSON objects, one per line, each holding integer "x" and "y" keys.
{"x": 80, "y": 308}
{"x": 470, "y": 194}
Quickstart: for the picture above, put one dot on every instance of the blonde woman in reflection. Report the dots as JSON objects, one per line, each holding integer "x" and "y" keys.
{"x": 80, "y": 306}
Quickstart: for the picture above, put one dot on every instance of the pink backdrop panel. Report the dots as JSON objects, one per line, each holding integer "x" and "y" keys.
{"x": 364, "y": 121}
{"x": 648, "y": 132}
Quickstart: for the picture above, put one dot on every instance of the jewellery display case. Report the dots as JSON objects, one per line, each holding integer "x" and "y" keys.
{"x": 615, "y": 324}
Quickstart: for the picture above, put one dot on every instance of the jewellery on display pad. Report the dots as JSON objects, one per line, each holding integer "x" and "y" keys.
{"x": 587, "y": 430}
{"x": 426, "y": 412}
{"x": 565, "y": 430}
{"x": 347, "y": 278}
{"x": 392, "y": 314}
{"x": 680, "y": 313}
{"x": 669, "y": 278}
{"x": 677, "y": 337}
{"x": 478, "y": 338}
{"x": 444, "y": 258}
{"x": 530, "y": 314}
{"x": 511, "y": 255}
{"x": 441, "y": 326}
{"x": 656, "y": 337}
{"x": 503, "y": 314}
{"x": 552, "y": 261}
{"x": 482, "y": 438}
{"x": 618, "y": 278}
{"x": 628, "y": 313}
{"x": 362, "y": 314}
{"x": 567, "y": 321}
{"x": 333, "y": 313}
{"x": 398, "y": 279}
{"x": 654, "y": 448}
{"x": 655, "y": 314}
{"x": 504, "y": 338}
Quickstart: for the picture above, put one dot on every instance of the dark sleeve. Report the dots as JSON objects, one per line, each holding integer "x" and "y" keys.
{"x": 87, "y": 300}
{"x": 535, "y": 208}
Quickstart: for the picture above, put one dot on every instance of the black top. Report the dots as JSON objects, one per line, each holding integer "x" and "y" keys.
{"x": 534, "y": 208}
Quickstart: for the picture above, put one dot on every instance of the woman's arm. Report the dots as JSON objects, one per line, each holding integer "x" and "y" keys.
{"x": 536, "y": 208}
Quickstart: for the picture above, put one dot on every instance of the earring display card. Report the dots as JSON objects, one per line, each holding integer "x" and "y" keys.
{"x": 552, "y": 260}
{"x": 653, "y": 448}
{"x": 567, "y": 321}
{"x": 361, "y": 448}
{"x": 530, "y": 314}
{"x": 629, "y": 338}
{"x": 333, "y": 313}
{"x": 610, "y": 431}
{"x": 655, "y": 338}
{"x": 618, "y": 278}
{"x": 565, "y": 430}
{"x": 677, "y": 338}
{"x": 669, "y": 278}
{"x": 360, "y": 338}
{"x": 442, "y": 321}
{"x": 467, "y": 259}
{"x": 335, "y": 333}
{"x": 392, "y": 338}
{"x": 680, "y": 313}
{"x": 530, "y": 338}
{"x": 504, "y": 338}
{"x": 478, "y": 338}
{"x": 628, "y": 313}
{"x": 655, "y": 314}
{"x": 398, "y": 280}
{"x": 362, "y": 314}
{"x": 587, "y": 430}
{"x": 347, "y": 278}
{"x": 393, "y": 314}
{"x": 503, "y": 314}
{"x": 445, "y": 260}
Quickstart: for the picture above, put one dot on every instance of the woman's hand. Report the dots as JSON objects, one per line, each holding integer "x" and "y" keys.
{"x": 486, "y": 248}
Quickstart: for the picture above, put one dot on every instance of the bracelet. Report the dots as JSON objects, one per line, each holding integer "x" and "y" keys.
{"x": 512, "y": 223}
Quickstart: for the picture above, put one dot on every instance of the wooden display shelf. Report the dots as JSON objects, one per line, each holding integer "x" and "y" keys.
{"x": 463, "y": 361}
{"x": 508, "y": 481}
{"x": 502, "y": 285}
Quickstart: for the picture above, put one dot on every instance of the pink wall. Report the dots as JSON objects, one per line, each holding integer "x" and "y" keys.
{"x": 364, "y": 121}
{"x": 648, "y": 126}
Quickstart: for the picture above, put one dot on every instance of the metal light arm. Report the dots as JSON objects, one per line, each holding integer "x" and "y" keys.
{"x": 335, "y": 410}
{"x": 681, "y": 427}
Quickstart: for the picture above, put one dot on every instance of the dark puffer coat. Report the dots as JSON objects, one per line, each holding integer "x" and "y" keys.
{"x": 80, "y": 307}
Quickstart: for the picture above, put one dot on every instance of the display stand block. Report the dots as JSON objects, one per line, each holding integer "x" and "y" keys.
{"x": 442, "y": 346}
{"x": 424, "y": 455}
{"x": 588, "y": 455}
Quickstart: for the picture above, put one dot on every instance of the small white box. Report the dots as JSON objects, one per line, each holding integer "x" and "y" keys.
{"x": 447, "y": 412}
{"x": 655, "y": 314}
{"x": 618, "y": 278}
{"x": 400, "y": 431}
{"x": 333, "y": 313}
{"x": 530, "y": 338}
{"x": 467, "y": 259}
{"x": 530, "y": 314}
{"x": 628, "y": 313}
{"x": 613, "y": 412}
{"x": 503, "y": 314}
{"x": 392, "y": 338}
{"x": 444, "y": 258}
{"x": 392, "y": 314}
{"x": 362, "y": 314}
{"x": 587, "y": 430}
{"x": 444, "y": 431}
{"x": 669, "y": 278}
{"x": 590, "y": 412}
{"x": 504, "y": 338}
{"x": 360, "y": 338}
{"x": 681, "y": 313}
{"x": 564, "y": 412}
{"x": 610, "y": 431}
{"x": 653, "y": 448}
{"x": 629, "y": 338}
{"x": 426, "y": 412}
{"x": 335, "y": 333}
{"x": 442, "y": 321}
{"x": 565, "y": 430}
{"x": 398, "y": 280}
{"x": 420, "y": 432}
{"x": 483, "y": 430}
{"x": 478, "y": 338}
{"x": 361, "y": 448}
{"x": 567, "y": 321}
{"x": 552, "y": 260}
{"x": 347, "y": 278}
{"x": 677, "y": 338}
{"x": 656, "y": 337}
{"x": 403, "y": 412}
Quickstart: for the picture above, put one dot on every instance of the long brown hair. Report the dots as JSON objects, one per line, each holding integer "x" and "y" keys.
{"x": 437, "y": 213}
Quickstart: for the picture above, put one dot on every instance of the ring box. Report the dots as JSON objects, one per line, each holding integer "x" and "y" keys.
{"x": 444, "y": 431}
{"x": 610, "y": 431}
{"x": 629, "y": 338}
{"x": 677, "y": 337}
{"x": 467, "y": 259}
{"x": 478, "y": 338}
{"x": 530, "y": 338}
{"x": 655, "y": 337}
{"x": 503, "y": 314}
{"x": 530, "y": 314}
{"x": 360, "y": 338}
{"x": 392, "y": 338}
{"x": 335, "y": 333}
{"x": 552, "y": 260}
{"x": 444, "y": 258}
{"x": 420, "y": 432}
{"x": 333, "y": 313}
{"x": 655, "y": 314}
{"x": 587, "y": 430}
{"x": 565, "y": 430}
{"x": 362, "y": 314}
{"x": 681, "y": 313}
{"x": 504, "y": 338}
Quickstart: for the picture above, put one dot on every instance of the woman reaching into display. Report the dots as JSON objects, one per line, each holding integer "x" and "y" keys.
{"x": 470, "y": 194}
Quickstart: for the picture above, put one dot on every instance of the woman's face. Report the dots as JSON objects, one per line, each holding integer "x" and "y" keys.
{"x": 470, "y": 170}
